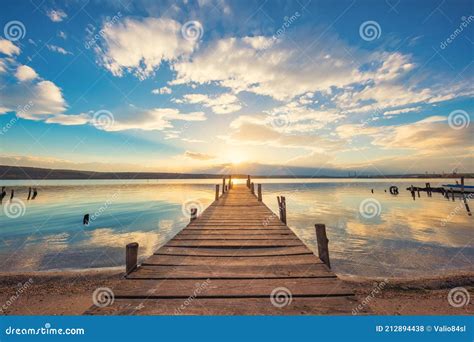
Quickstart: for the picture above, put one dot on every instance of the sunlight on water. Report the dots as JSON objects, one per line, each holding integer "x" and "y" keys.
{"x": 375, "y": 234}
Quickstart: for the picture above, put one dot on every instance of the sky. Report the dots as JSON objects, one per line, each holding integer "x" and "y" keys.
{"x": 269, "y": 87}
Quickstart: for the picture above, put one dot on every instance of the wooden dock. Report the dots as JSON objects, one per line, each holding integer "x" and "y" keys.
{"x": 236, "y": 258}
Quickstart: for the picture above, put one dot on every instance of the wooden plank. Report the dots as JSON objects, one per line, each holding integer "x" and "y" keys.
{"x": 235, "y": 288}
{"x": 230, "y": 272}
{"x": 197, "y": 237}
{"x": 230, "y": 306}
{"x": 236, "y": 243}
{"x": 246, "y": 232}
{"x": 217, "y": 252}
{"x": 233, "y": 261}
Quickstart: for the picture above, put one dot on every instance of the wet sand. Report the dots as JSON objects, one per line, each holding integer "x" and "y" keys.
{"x": 70, "y": 293}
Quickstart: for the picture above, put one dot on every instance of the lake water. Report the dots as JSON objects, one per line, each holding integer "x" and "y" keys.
{"x": 370, "y": 234}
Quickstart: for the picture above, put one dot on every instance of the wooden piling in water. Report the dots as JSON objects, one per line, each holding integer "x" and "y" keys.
{"x": 252, "y": 188}
{"x": 412, "y": 190}
{"x": 217, "y": 192}
{"x": 230, "y": 182}
{"x": 282, "y": 208}
{"x": 452, "y": 194}
{"x": 322, "y": 240}
{"x": 223, "y": 185}
{"x": 259, "y": 191}
{"x": 248, "y": 181}
{"x": 131, "y": 257}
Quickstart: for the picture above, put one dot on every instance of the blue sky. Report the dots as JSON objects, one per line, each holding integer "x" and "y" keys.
{"x": 204, "y": 86}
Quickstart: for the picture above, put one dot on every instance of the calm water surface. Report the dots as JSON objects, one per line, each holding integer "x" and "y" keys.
{"x": 370, "y": 234}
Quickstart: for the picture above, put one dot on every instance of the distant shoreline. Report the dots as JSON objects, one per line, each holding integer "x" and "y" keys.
{"x": 34, "y": 173}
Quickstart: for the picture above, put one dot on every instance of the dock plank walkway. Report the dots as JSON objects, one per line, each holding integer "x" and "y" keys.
{"x": 236, "y": 258}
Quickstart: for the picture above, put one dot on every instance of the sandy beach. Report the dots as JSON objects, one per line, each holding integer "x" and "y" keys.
{"x": 70, "y": 293}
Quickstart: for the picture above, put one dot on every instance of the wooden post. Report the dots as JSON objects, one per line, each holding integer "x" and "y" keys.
{"x": 428, "y": 189}
{"x": 282, "y": 208}
{"x": 452, "y": 194}
{"x": 252, "y": 188}
{"x": 462, "y": 185}
{"x": 418, "y": 191}
{"x": 323, "y": 250}
{"x": 131, "y": 257}
{"x": 226, "y": 188}
{"x": 217, "y": 192}
{"x": 230, "y": 182}
{"x": 193, "y": 214}
{"x": 248, "y": 181}
{"x": 223, "y": 185}
{"x": 259, "y": 191}
{"x": 412, "y": 190}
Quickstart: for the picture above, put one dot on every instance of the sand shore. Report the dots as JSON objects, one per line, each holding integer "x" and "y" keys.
{"x": 70, "y": 293}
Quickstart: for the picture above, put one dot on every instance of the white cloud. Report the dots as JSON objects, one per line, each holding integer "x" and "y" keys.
{"x": 279, "y": 71}
{"x": 198, "y": 155}
{"x": 56, "y": 15}
{"x": 403, "y": 110}
{"x": 62, "y": 34}
{"x": 220, "y": 104}
{"x": 151, "y": 119}
{"x": 69, "y": 119}
{"x": 140, "y": 46}
{"x": 8, "y": 48}
{"x": 161, "y": 91}
{"x": 58, "y": 49}
{"x": 25, "y": 73}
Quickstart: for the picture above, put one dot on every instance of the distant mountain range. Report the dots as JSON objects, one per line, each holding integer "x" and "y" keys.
{"x": 256, "y": 170}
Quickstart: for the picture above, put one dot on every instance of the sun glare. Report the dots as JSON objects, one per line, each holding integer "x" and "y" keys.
{"x": 236, "y": 157}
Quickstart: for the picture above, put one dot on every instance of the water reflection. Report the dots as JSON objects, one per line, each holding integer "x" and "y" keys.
{"x": 403, "y": 237}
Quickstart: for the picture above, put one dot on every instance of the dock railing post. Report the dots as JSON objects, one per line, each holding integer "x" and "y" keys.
{"x": 248, "y": 181}
{"x": 217, "y": 192}
{"x": 252, "y": 188}
{"x": 282, "y": 208}
{"x": 322, "y": 239}
{"x": 193, "y": 214}
{"x": 223, "y": 185}
{"x": 131, "y": 257}
{"x": 259, "y": 191}
{"x": 230, "y": 182}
